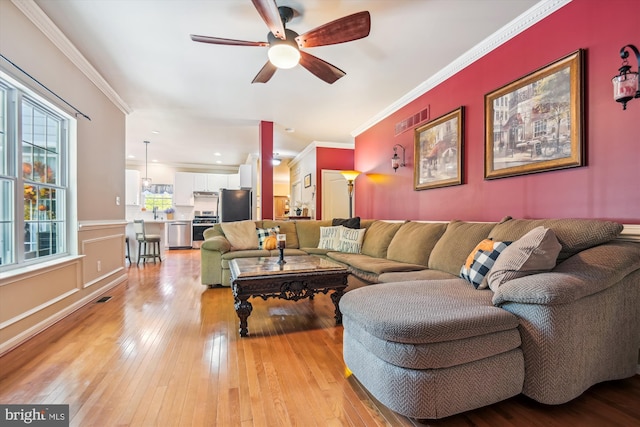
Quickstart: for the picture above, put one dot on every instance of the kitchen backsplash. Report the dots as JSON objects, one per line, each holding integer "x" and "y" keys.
{"x": 135, "y": 212}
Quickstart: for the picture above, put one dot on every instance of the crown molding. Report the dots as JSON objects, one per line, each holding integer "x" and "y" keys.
{"x": 33, "y": 12}
{"x": 535, "y": 14}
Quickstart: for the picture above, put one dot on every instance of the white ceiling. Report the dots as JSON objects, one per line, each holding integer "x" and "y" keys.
{"x": 199, "y": 97}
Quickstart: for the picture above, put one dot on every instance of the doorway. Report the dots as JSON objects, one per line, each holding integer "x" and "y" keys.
{"x": 335, "y": 196}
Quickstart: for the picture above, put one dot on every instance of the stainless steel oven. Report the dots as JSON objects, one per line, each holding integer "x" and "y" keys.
{"x": 201, "y": 223}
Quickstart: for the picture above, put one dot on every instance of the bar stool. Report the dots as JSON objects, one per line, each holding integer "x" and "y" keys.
{"x": 128, "y": 255}
{"x": 143, "y": 238}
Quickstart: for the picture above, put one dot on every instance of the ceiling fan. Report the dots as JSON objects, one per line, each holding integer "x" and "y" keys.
{"x": 285, "y": 45}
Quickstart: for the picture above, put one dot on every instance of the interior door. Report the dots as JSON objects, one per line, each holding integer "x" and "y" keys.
{"x": 335, "y": 196}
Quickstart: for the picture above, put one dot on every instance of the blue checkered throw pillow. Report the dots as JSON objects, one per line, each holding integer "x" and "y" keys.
{"x": 480, "y": 261}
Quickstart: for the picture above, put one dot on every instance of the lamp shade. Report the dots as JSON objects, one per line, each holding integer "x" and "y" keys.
{"x": 350, "y": 175}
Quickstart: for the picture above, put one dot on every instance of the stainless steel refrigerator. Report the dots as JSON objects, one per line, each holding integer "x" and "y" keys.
{"x": 234, "y": 205}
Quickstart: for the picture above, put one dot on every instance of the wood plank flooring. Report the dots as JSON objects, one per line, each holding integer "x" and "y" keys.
{"x": 165, "y": 351}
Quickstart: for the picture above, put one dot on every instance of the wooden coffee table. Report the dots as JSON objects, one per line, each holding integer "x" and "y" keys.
{"x": 300, "y": 277}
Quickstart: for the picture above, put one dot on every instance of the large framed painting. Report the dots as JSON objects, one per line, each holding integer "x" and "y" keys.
{"x": 535, "y": 124}
{"x": 438, "y": 152}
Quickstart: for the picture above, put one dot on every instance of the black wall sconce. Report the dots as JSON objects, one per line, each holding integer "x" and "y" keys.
{"x": 395, "y": 160}
{"x": 625, "y": 84}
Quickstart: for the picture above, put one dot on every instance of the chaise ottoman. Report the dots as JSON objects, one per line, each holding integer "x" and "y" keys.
{"x": 431, "y": 349}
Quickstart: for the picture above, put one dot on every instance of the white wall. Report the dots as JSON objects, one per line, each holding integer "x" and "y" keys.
{"x": 43, "y": 294}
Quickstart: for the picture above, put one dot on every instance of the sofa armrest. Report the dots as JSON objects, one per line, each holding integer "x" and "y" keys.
{"x": 216, "y": 243}
{"x": 585, "y": 273}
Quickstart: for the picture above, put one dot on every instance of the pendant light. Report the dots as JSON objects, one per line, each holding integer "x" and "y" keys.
{"x": 146, "y": 181}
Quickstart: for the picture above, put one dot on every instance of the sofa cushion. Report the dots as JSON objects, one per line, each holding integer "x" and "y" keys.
{"x": 574, "y": 235}
{"x": 480, "y": 261}
{"x": 406, "y": 276}
{"x": 414, "y": 241}
{"x": 286, "y": 227}
{"x": 420, "y": 312}
{"x": 255, "y": 253}
{"x": 373, "y": 264}
{"x": 456, "y": 244}
{"x": 330, "y": 237}
{"x": 535, "y": 252}
{"x": 351, "y": 240}
{"x": 347, "y": 222}
{"x": 241, "y": 234}
{"x": 263, "y": 233}
{"x": 309, "y": 232}
{"x": 379, "y": 236}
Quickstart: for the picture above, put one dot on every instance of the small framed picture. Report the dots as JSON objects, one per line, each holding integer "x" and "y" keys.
{"x": 307, "y": 180}
{"x": 438, "y": 151}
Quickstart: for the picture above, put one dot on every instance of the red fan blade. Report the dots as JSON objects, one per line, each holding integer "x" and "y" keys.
{"x": 230, "y": 42}
{"x": 265, "y": 73}
{"x": 346, "y": 29}
{"x": 270, "y": 14}
{"x": 320, "y": 68}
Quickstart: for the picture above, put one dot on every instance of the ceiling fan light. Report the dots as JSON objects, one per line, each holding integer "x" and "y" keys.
{"x": 284, "y": 55}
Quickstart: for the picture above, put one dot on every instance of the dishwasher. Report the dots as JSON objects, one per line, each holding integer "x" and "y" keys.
{"x": 179, "y": 235}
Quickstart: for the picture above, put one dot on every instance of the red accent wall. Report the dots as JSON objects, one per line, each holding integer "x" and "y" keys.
{"x": 330, "y": 159}
{"x": 607, "y": 187}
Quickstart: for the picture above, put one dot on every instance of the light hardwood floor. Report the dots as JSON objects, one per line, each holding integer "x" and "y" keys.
{"x": 165, "y": 351}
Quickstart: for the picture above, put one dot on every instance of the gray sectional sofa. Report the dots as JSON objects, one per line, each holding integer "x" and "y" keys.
{"x": 428, "y": 344}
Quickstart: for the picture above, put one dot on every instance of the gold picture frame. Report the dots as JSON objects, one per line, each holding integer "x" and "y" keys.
{"x": 535, "y": 124}
{"x": 438, "y": 150}
{"x": 307, "y": 181}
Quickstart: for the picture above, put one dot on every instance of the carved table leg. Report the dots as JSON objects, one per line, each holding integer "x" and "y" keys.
{"x": 335, "y": 297}
{"x": 243, "y": 310}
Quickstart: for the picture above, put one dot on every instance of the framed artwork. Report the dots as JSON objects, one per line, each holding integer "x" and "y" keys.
{"x": 307, "y": 181}
{"x": 438, "y": 152}
{"x": 535, "y": 124}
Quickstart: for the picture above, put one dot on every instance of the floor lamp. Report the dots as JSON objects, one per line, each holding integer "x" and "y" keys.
{"x": 350, "y": 176}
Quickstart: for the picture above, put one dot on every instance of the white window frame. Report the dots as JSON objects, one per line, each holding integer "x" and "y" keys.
{"x": 17, "y": 93}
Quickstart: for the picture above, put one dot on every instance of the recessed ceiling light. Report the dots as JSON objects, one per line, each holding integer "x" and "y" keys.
{"x": 217, "y": 154}
{"x": 154, "y": 161}
{"x": 290, "y": 130}
{"x": 155, "y": 132}
{"x": 219, "y": 161}
{"x": 131, "y": 156}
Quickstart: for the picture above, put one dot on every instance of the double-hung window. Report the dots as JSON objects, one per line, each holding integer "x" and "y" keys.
{"x": 33, "y": 178}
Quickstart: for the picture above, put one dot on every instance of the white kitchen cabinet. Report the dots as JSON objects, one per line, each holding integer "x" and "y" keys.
{"x": 246, "y": 178}
{"x": 183, "y": 188}
{"x": 132, "y": 187}
{"x": 233, "y": 181}
{"x": 210, "y": 181}
{"x": 217, "y": 181}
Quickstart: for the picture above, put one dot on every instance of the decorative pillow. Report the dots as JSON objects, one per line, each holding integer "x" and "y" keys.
{"x": 347, "y": 222}
{"x": 480, "y": 261}
{"x": 535, "y": 252}
{"x": 241, "y": 234}
{"x": 263, "y": 233}
{"x": 330, "y": 237}
{"x": 351, "y": 240}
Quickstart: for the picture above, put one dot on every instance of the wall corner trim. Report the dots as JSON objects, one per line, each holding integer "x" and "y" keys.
{"x": 535, "y": 14}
